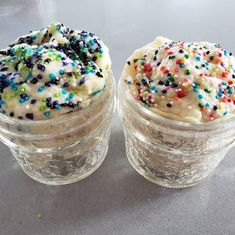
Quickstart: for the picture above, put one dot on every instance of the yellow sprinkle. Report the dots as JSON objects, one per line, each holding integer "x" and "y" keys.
{"x": 219, "y": 107}
{"x": 42, "y": 108}
{"x": 56, "y": 95}
{"x": 22, "y": 89}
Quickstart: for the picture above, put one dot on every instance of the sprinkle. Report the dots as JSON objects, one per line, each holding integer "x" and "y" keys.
{"x": 61, "y": 72}
{"x": 66, "y": 84}
{"x": 169, "y": 105}
{"x": 47, "y": 114}
{"x": 41, "y": 89}
{"x": 200, "y": 96}
{"x": 52, "y": 76}
{"x": 29, "y": 116}
{"x": 33, "y": 101}
{"x": 187, "y": 72}
{"x": 212, "y": 57}
{"x": 41, "y": 67}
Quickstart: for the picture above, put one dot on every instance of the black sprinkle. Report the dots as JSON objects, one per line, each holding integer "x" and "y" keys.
{"x": 99, "y": 74}
{"x": 29, "y": 115}
{"x": 181, "y": 51}
{"x": 128, "y": 62}
{"x": 39, "y": 76}
{"x": 66, "y": 84}
{"x": 41, "y": 67}
{"x": 158, "y": 63}
{"x": 34, "y": 80}
{"x": 33, "y": 101}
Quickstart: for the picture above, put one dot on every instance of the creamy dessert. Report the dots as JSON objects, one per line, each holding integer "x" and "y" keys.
{"x": 189, "y": 82}
{"x": 52, "y": 71}
{"x": 192, "y": 83}
{"x": 57, "y": 96}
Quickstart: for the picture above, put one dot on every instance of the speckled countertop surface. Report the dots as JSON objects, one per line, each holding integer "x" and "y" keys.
{"x": 115, "y": 199}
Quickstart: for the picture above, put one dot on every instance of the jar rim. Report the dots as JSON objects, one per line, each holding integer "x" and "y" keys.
{"x": 61, "y": 118}
{"x": 216, "y": 123}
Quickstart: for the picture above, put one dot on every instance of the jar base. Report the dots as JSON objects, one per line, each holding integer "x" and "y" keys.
{"x": 68, "y": 180}
{"x": 158, "y": 180}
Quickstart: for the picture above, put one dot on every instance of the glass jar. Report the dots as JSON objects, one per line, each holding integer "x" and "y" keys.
{"x": 168, "y": 152}
{"x": 64, "y": 149}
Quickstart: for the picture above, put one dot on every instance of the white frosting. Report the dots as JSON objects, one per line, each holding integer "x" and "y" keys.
{"x": 190, "y": 82}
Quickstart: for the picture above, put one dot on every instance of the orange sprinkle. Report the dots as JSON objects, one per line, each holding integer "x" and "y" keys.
{"x": 163, "y": 68}
{"x": 224, "y": 74}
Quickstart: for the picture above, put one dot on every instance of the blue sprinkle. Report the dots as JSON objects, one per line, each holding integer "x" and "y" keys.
{"x": 52, "y": 76}
{"x": 73, "y": 64}
{"x": 71, "y": 95}
{"x": 2, "y": 102}
{"x": 82, "y": 81}
{"x": 63, "y": 92}
{"x": 41, "y": 89}
{"x": 200, "y": 96}
{"x": 225, "y": 113}
{"x": 195, "y": 89}
{"x": 61, "y": 72}
{"x": 207, "y": 105}
{"x": 47, "y": 114}
{"x": 198, "y": 58}
{"x": 129, "y": 82}
{"x": 182, "y": 65}
{"x": 225, "y": 52}
{"x": 91, "y": 42}
{"x": 224, "y": 83}
{"x": 230, "y": 91}
{"x": 58, "y": 107}
{"x": 22, "y": 100}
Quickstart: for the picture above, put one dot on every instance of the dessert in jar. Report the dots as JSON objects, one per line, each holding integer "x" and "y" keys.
{"x": 177, "y": 104}
{"x": 56, "y": 100}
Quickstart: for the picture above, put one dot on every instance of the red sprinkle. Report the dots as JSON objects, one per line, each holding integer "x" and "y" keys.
{"x": 148, "y": 69}
{"x": 181, "y": 94}
{"x": 224, "y": 74}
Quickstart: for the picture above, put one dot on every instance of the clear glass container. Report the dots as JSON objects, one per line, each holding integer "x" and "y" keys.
{"x": 64, "y": 149}
{"x": 168, "y": 152}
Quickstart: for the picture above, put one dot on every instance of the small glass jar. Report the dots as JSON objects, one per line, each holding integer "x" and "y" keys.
{"x": 64, "y": 149}
{"x": 168, "y": 152}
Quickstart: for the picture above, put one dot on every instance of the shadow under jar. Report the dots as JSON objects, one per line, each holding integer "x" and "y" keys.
{"x": 168, "y": 152}
{"x": 64, "y": 149}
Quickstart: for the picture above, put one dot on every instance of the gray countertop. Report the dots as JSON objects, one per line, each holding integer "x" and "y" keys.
{"x": 115, "y": 199}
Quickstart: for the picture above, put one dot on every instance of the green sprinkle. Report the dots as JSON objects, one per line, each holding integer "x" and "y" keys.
{"x": 42, "y": 108}
{"x": 39, "y": 216}
{"x": 212, "y": 57}
{"x": 172, "y": 57}
{"x": 186, "y": 56}
{"x": 200, "y": 105}
{"x": 187, "y": 72}
{"x": 206, "y": 90}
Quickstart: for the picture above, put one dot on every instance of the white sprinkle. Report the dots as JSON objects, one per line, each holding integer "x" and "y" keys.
{"x": 189, "y": 107}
